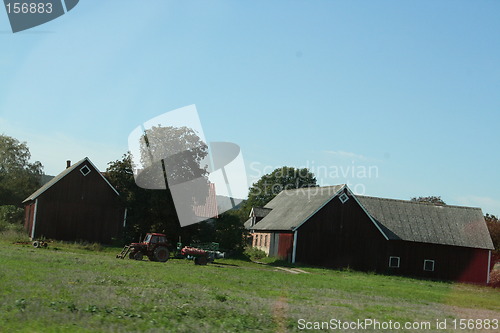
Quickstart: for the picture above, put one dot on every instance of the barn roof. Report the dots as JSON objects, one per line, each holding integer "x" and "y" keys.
{"x": 290, "y": 208}
{"x": 257, "y": 212}
{"x": 57, "y": 178}
{"x": 395, "y": 219}
{"x": 428, "y": 223}
{"x": 260, "y": 211}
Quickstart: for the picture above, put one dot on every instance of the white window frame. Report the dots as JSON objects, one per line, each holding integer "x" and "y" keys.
{"x": 343, "y": 198}
{"x": 393, "y": 257}
{"x": 433, "y": 265}
{"x": 83, "y": 172}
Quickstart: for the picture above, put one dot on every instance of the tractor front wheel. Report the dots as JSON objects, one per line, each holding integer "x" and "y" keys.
{"x": 135, "y": 255}
{"x": 161, "y": 254}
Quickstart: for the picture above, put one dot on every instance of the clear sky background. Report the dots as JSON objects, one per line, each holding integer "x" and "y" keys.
{"x": 404, "y": 93}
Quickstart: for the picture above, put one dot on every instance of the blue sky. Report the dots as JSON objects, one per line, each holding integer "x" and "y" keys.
{"x": 408, "y": 90}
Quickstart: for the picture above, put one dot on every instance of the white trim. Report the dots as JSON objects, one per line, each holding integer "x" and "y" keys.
{"x": 433, "y": 263}
{"x": 83, "y": 172}
{"x": 366, "y": 212}
{"x": 294, "y": 251}
{"x": 399, "y": 262}
{"x": 488, "y": 270}
{"x": 343, "y": 198}
{"x": 317, "y": 210}
{"x": 66, "y": 171}
{"x": 34, "y": 220}
{"x": 100, "y": 174}
{"x": 125, "y": 218}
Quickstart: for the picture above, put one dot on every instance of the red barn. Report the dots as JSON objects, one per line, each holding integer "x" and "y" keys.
{"x": 332, "y": 227}
{"x": 77, "y": 204}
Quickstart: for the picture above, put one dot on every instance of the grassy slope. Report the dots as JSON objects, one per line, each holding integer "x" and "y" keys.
{"x": 71, "y": 289}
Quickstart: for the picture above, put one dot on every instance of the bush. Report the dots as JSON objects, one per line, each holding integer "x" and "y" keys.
{"x": 254, "y": 253}
{"x": 11, "y": 214}
{"x": 495, "y": 279}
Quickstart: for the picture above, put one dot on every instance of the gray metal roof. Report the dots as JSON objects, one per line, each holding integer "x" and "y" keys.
{"x": 428, "y": 223}
{"x": 54, "y": 180}
{"x": 291, "y": 208}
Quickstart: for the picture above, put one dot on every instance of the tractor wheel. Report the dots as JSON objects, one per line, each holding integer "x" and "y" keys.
{"x": 161, "y": 254}
{"x": 138, "y": 255}
{"x": 200, "y": 260}
{"x": 36, "y": 244}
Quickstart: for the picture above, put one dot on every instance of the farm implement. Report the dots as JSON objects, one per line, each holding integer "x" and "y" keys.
{"x": 201, "y": 253}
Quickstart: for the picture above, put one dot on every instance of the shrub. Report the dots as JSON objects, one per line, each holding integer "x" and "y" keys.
{"x": 11, "y": 214}
{"x": 495, "y": 279}
{"x": 254, "y": 253}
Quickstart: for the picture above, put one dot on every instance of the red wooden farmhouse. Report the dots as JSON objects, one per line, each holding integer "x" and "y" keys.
{"x": 332, "y": 227}
{"x": 77, "y": 204}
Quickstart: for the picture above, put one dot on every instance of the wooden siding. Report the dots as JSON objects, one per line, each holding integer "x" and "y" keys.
{"x": 29, "y": 211}
{"x": 450, "y": 262}
{"x": 78, "y": 207}
{"x": 341, "y": 235}
{"x": 285, "y": 246}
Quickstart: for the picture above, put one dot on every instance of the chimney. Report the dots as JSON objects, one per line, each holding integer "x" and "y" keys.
{"x": 68, "y": 164}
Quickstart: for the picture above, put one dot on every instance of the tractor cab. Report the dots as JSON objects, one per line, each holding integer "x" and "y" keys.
{"x": 154, "y": 238}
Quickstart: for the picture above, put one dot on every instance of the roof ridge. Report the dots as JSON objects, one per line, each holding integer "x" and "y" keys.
{"x": 313, "y": 187}
{"x": 416, "y": 202}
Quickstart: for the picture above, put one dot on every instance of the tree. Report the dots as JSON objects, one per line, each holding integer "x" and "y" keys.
{"x": 147, "y": 210}
{"x": 229, "y": 231}
{"x": 18, "y": 176}
{"x": 167, "y": 156}
{"x": 270, "y": 185}
{"x": 435, "y": 200}
{"x": 493, "y": 224}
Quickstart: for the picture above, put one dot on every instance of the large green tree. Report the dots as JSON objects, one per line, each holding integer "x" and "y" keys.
{"x": 166, "y": 156}
{"x": 435, "y": 200}
{"x": 270, "y": 185}
{"x": 18, "y": 176}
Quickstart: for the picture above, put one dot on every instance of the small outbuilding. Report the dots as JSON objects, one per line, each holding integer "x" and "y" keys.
{"x": 77, "y": 204}
{"x": 332, "y": 227}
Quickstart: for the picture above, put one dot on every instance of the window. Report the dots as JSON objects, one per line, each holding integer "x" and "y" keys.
{"x": 343, "y": 198}
{"x": 429, "y": 265}
{"x": 394, "y": 262}
{"x": 85, "y": 170}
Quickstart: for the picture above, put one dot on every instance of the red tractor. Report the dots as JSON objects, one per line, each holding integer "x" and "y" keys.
{"x": 155, "y": 247}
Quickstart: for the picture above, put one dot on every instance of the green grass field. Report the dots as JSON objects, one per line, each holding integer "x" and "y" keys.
{"x": 74, "y": 289}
